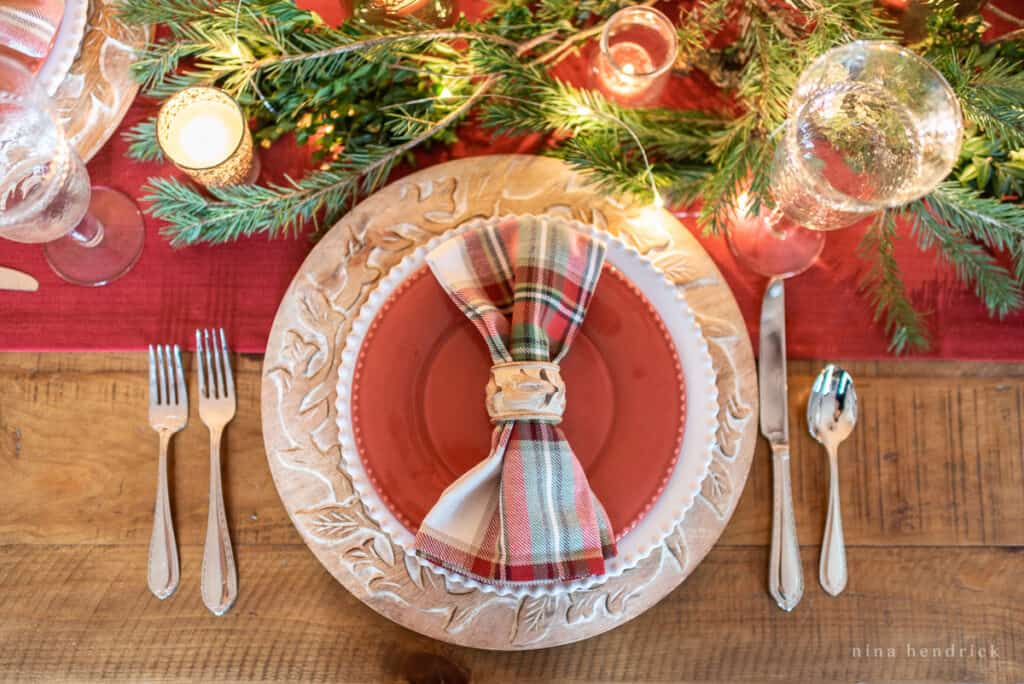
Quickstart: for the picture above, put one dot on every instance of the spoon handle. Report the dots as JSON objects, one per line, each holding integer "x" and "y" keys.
{"x": 785, "y": 576}
{"x": 832, "y": 568}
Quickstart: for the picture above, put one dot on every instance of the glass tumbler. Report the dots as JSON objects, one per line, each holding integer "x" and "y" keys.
{"x": 634, "y": 60}
{"x": 872, "y": 126}
{"x": 92, "y": 235}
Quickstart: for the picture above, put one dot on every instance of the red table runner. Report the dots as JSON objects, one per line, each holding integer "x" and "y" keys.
{"x": 238, "y": 286}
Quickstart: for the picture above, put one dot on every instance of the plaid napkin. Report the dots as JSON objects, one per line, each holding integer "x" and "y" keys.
{"x": 525, "y": 513}
{"x": 28, "y": 27}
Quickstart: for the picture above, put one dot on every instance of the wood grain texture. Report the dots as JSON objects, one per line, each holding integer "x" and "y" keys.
{"x": 935, "y": 557}
{"x": 956, "y": 482}
{"x": 82, "y": 612}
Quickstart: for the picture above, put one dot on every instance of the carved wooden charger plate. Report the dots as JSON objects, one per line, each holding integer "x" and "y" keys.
{"x": 99, "y": 88}
{"x": 300, "y": 374}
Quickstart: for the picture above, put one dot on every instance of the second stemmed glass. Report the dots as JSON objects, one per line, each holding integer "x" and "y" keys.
{"x": 872, "y": 126}
{"x": 92, "y": 235}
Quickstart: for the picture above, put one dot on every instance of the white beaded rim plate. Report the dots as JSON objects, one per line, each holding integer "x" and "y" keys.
{"x": 66, "y": 45}
{"x": 701, "y": 419}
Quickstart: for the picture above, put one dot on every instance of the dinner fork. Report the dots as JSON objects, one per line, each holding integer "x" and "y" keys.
{"x": 219, "y": 583}
{"x": 168, "y": 414}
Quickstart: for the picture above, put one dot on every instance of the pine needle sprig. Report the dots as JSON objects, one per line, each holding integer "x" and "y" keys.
{"x": 974, "y": 264}
{"x": 990, "y": 90}
{"x": 883, "y": 285}
{"x": 246, "y": 210}
{"x": 366, "y": 95}
{"x": 142, "y": 143}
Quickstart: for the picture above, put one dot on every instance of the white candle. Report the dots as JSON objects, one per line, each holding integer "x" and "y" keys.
{"x": 204, "y": 133}
{"x": 634, "y": 63}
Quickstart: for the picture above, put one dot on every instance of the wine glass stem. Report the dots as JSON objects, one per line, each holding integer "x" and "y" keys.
{"x": 89, "y": 232}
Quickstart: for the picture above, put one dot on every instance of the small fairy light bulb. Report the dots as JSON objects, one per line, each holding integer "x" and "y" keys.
{"x": 236, "y": 50}
{"x": 445, "y": 93}
{"x": 582, "y": 110}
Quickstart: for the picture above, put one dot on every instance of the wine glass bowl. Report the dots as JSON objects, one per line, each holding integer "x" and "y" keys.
{"x": 44, "y": 191}
{"x": 871, "y": 126}
{"x": 92, "y": 235}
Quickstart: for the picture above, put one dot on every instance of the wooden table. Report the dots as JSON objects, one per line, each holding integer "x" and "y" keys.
{"x": 933, "y": 495}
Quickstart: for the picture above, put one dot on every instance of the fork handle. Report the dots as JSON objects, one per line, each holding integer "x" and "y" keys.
{"x": 162, "y": 572}
{"x": 220, "y": 578}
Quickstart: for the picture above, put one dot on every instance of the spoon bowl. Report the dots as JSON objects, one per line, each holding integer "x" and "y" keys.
{"x": 832, "y": 406}
{"x": 831, "y": 417}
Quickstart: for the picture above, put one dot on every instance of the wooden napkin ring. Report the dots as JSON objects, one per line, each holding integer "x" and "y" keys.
{"x": 526, "y": 390}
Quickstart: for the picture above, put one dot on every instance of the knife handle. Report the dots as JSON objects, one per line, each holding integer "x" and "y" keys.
{"x": 785, "y": 576}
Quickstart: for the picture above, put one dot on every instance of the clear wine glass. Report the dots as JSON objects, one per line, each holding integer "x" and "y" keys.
{"x": 872, "y": 125}
{"x": 92, "y": 235}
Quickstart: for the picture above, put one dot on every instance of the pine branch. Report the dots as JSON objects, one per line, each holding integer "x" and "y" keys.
{"x": 246, "y": 210}
{"x": 990, "y": 90}
{"x": 143, "y": 143}
{"x": 884, "y": 288}
{"x": 999, "y": 225}
{"x": 974, "y": 265}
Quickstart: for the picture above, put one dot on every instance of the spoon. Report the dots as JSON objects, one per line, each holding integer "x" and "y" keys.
{"x": 831, "y": 415}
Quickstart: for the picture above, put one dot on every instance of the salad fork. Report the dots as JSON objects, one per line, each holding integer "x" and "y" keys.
{"x": 219, "y": 583}
{"x": 168, "y": 414}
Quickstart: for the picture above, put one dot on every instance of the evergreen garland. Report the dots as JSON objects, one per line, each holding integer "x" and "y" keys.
{"x": 366, "y": 96}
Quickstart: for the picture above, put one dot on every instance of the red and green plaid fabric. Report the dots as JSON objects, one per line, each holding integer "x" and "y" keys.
{"x": 526, "y": 513}
{"x": 28, "y": 27}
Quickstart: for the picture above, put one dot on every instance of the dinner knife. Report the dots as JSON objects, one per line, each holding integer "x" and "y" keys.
{"x": 16, "y": 280}
{"x": 785, "y": 576}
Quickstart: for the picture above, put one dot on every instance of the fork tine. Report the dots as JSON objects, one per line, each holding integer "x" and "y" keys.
{"x": 229, "y": 380}
{"x": 212, "y": 361}
{"x": 219, "y": 379}
{"x": 169, "y": 377}
{"x": 160, "y": 374}
{"x": 182, "y": 394}
{"x": 154, "y": 396}
{"x": 211, "y": 383}
{"x": 199, "y": 365}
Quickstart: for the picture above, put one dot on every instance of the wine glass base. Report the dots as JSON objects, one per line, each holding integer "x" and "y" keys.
{"x": 113, "y": 255}
{"x": 776, "y": 248}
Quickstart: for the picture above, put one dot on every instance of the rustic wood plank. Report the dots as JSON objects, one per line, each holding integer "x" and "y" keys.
{"x": 83, "y": 612}
{"x": 932, "y": 507}
{"x": 77, "y": 448}
{"x": 937, "y": 459}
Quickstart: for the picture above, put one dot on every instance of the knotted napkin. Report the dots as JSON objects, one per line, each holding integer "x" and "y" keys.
{"x": 28, "y": 27}
{"x": 526, "y": 513}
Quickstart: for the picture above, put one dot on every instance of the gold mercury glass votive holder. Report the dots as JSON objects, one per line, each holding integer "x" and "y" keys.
{"x": 203, "y": 131}
{"x": 433, "y": 12}
{"x": 634, "y": 61}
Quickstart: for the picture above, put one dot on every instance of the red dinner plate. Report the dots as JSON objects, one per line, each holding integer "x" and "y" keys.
{"x": 418, "y": 399}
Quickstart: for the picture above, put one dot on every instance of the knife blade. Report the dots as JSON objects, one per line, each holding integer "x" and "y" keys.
{"x": 772, "y": 364}
{"x": 785, "y": 575}
{"x": 16, "y": 280}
